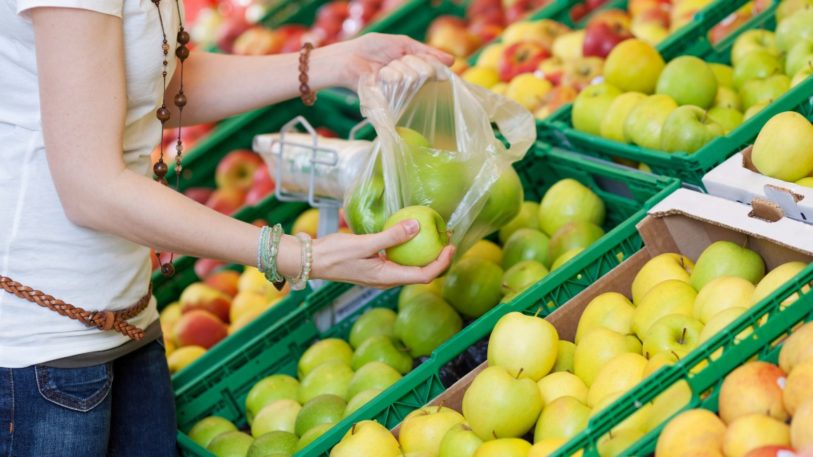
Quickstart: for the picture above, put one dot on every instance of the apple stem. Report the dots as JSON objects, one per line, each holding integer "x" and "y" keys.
{"x": 675, "y": 353}
{"x": 538, "y": 310}
{"x": 353, "y": 430}
{"x": 519, "y": 373}
{"x": 494, "y": 434}
{"x": 683, "y": 336}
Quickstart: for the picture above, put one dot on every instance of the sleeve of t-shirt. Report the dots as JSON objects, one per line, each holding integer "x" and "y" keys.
{"x": 111, "y": 7}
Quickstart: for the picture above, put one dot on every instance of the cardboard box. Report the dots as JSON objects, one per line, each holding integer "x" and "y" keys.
{"x": 737, "y": 179}
{"x": 686, "y": 222}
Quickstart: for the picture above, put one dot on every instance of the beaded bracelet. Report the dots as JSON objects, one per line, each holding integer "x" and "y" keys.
{"x": 267, "y": 253}
{"x": 301, "y": 280}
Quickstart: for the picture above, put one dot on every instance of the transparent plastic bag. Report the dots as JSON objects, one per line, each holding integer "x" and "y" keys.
{"x": 436, "y": 146}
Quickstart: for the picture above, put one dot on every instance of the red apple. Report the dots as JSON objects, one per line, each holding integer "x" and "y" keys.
{"x": 199, "y": 328}
{"x": 292, "y": 37}
{"x": 485, "y": 30}
{"x": 593, "y": 4}
{"x": 451, "y": 35}
{"x": 517, "y": 11}
{"x": 236, "y": 169}
{"x": 263, "y": 185}
{"x": 552, "y": 69}
{"x": 224, "y": 281}
{"x": 259, "y": 222}
{"x": 326, "y": 132}
{"x": 202, "y": 296}
{"x": 605, "y": 31}
{"x": 637, "y": 7}
{"x": 330, "y": 17}
{"x": 442, "y": 22}
{"x": 771, "y": 451}
{"x": 578, "y": 12}
{"x": 479, "y": 7}
{"x": 226, "y": 200}
{"x": 580, "y": 73}
{"x": 205, "y": 267}
{"x": 658, "y": 16}
{"x": 199, "y": 194}
{"x": 728, "y": 25}
{"x": 518, "y": 58}
{"x": 233, "y": 28}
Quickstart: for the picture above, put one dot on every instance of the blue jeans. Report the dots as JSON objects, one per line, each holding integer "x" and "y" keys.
{"x": 124, "y": 408}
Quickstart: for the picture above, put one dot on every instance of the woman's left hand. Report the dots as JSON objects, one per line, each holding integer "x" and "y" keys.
{"x": 369, "y": 53}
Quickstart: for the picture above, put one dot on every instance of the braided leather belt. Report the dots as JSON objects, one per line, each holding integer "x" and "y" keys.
{"x": 103, "y": 320}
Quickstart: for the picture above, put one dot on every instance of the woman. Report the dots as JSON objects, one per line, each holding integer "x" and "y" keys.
{"x": 82, "y": 86}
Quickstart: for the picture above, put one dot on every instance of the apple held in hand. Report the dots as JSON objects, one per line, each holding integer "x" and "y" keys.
{"x": 498, "y": 405}
{"x": 689, "y": 81}
{"x": 784, "y": 147}
{"x": 591, "y": 106}
{"x": 634, "y": 65}
{"x": 645, "y": 122}
{"x": 687, "y": 129}
{"x": 426, "y": 246}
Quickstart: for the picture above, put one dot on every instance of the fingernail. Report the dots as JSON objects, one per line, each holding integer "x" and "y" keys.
{"x": 412, "y": 226}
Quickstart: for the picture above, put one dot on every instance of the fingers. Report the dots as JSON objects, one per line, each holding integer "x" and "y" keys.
{"x": 393, "y": 274}
{"x": 416, "y": 47}
{"x": 393, "y": 236}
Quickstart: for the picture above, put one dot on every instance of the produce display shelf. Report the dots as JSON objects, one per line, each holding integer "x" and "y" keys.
{"x": 221, "y": 390}
{"x": 704, "y": 369}
{"x": 690, "y": 168}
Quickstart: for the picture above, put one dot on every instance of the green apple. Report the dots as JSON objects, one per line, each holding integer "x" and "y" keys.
{"x": 268, "y": 390}
{"x": 412, "y": 139}
{"x": 423, "y": 429}
{"x": 751, "y": 41}
{"x": 324, "y": 409}
{"x": 277, "y": 416}
{"x": 728, "y": 118}
{"x": 365, "y": 208}
{"x": 801, "y": 75}
{"x": 472, "y": 286}
{"x": 752, "y": 111}
{"x": 499, "y": 405}
{"x": 787, "y": 8}
{"x": 503, "y": 201}
{"x": 522, "y": 276}
{"x": 525, "y": 244}
{"x": 326, "y": 350}
{"x": 658, "y": 361}
{"x": 206, "y": 429}
{"x": 382, "y": 349}
{"x": 673, "y": 333}
{"x": 599, "y": 347}
{"x": 776, "y": 278}
{"x": 800, "y": 56}
{"x": 618, "y": 375}
{"x": 569, "y": 201}
{"x": 720, "y": 294}
{"x": 373, "y": 375}
{"x": 658, "y": 269}
{"x": 528, "y": 217}
{"x": 374, "y": 322}
{"x": 574, "y": 235}
{"x": 328, "y": 378}
{"x": 230, "y": 444}
{"x": 758, "y": 65}
{"x": 360, "y": 399}
{"x": 562, "y": 418}
{"x": 720, "y": 321}
{"x": 435, "y": 178}
{"x": 504, "y": 447}
{"x": 591, "y": 107}
{"x": 424, "y": 247}
{"x": 425, "y": 325}
{"x": 273, "y": 443}
{"x": 764, "y": 90}
{"x": 565, "y": 258}
{"x": 724, "y": 258}
{"x": 669, "y": 297}
{"x": 612, "y": 126}
{"x": 796, "y": 28}
{"x": 727, "y": 97}
{"x": 689, "y": 81}
{"x": 524, "y": 345}
{"x": 614, "y": 444}
{"x": 783, "y": 147}
{"x": 311, "y": 435}
{"x": 561, "y": 384}
{"x": 564, "y": 357}
{"x": 665, "y": 405}
{"x": 609, "y": 310}
{"x": 645, "y": 122}
{"x": 486, "y": 250}
{"x": 459, "y": 441}
{"x": 687, "y": 129}
{"x": 367, "y": 438}
{"x": 634, "y": 65}
{"x": 409, "y": 292}
{"x": 724, "y": 74}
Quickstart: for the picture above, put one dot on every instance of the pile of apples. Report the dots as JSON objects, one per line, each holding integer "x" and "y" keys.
{"x": 765, "y": 410}
{"x": 784, "y": 149}
{"x": 683, "y": 105}
{"x": 538, "y": 388}
{"x": 210, "y": 310}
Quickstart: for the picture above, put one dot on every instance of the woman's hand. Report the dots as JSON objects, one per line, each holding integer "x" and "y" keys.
{"x": 357, "y": 259}
{"x": 371, "y": 52}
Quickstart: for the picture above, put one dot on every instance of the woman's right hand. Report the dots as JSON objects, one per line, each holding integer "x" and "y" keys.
{"x": 357, "y": 258}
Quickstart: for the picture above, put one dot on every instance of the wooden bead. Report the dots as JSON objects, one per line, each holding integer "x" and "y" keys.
{"x": 160, "y": 169}
{"x": 180, "y": 99}
{"x": 165, "y": 47}
{"x": 182, "y": 52}
{"x": 183, "y": 36}
{"x": 168, "y": 270}
{"x": 162, "y": 114}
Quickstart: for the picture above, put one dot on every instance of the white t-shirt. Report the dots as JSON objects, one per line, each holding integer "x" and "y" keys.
{"x": 39, "y": 246}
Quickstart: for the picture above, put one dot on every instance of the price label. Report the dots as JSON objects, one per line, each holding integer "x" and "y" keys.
{"x": 345, "y": 305}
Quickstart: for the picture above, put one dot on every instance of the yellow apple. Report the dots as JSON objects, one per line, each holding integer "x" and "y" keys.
{"x": 754, "y": 431}
{"x": 504, "y": 447}
{"x": 669, "y": 297}
{"x": 651, "y": 32}
{"x": 500, "y": 88}
{"x": 612, "y": 125}
{"x": 658, "y": 269}
{"x": 801, "y": 427}
{"x": 615, "y": 443}
{"x": 720, "y": 294}
{"x": 564, "y": 356}
{"x": 620, "y": 374}
{"x": 776, "y": 278}
{"x": 661, "y": 359}
{"x": 609, "y": 310}
{"x": 634, "y": 65}
{"x": 562, "y": 384}
{"x": 563, "y": 418}
{"x": 756, "y": 387}
{"x": 487, "y": 250}
{"x": 568, "y": 46}
{"x": 545, "y": 448}
{"x": 169, "y": 316}
{"x": 695, "y": 429}
{"x": 542, "y": 31}
{"x": 784, "y": 147}
{"x": 247, "y": 303}
{"x": 252, "y": 280}
{"x": 799, "y": 387}
{"x": 668, "y": 403}
{"x": 367, "y": 439}
{"x": 424, "y": 429}
{"x": 720, "y": 321}
{"x": 528, "y": 90}
{"x": 797, "y": 349}
{"x": 526, "y": 346}
{"x": 636, "y": 421}
{"x": 599, "y": 347}
{"x": 482, "y": 76}
{"x": 491, "y": 55}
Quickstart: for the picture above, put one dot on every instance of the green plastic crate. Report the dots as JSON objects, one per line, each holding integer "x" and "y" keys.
{"x": 222, "y": 389}
{"x": 771, "y": 322}
{"x": 690, "y": 168}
